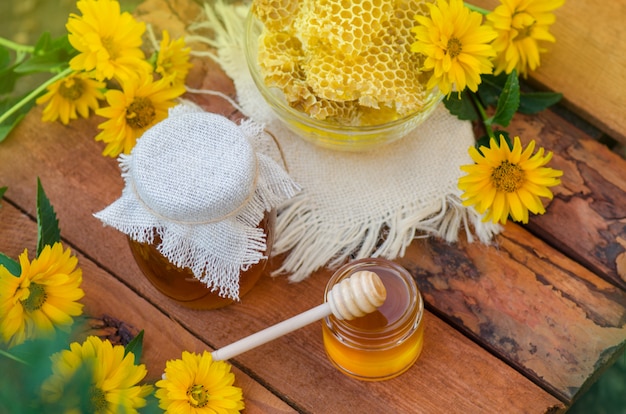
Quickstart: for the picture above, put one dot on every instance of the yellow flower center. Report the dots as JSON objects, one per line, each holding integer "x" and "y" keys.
{"x": 454, "y": 47}
{"x": 523, "y": 23}
{"x": 140, "y": 113}
{"x": 524, "y": 33}
{"x": 72, "y": 89}
{"x": 98, "y": 400}
{"x": 167, "y": 65}
{"x": 36, "y": 297}
{"x": 198, "y": 396}
{"x": 508, "y": 177}
{"x": 109, "y": 46}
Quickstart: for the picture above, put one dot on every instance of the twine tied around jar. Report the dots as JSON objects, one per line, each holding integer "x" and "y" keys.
{"x": 200, "y": 182}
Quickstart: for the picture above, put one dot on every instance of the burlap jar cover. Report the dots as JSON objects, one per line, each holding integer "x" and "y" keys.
{"x": 202, "y": 184}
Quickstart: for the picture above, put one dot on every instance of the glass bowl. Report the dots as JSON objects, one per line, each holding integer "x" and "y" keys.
{"x": 324, "y": 133}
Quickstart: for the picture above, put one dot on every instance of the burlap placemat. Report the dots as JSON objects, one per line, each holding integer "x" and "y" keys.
{"x": 355, "y": 205}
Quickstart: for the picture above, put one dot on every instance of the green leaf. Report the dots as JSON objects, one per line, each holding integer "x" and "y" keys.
{"x": 490, "y": 88}
{"x": 3, "y": 190}
{"x": 8, "y": 355}
{"x": 50, "y": 55}
{"x": 462, "y": 107}
{"x": 508, "y": 102}
{"x": 48, "y": 231}
{"x": 5, "y": 58}
{"x": 135, "y": 346}
{"x": 43, "y": 43}
{"x": 20, "y": 384}
{"x": 11, "y": 265}
{"x": 8, "y": 77}
{"x": 11, "y": 122}
{"x": 533, "y": 102}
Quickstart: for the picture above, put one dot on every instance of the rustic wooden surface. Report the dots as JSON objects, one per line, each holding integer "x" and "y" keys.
{"x": 164, "y": 338}
{"x": 586, "y": 218}
{"x": 588, "y": 61}
{"x": 524, "y": 325}
{"x": 79, "y": 182}
{"x": 548, "y": 316}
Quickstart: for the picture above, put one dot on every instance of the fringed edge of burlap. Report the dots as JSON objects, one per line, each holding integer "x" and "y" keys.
{"x": 311, "y": 243}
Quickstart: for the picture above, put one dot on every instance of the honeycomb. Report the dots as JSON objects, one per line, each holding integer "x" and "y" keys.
{"x": 280, "y": 58}
{"x": 343, "y": 60}
{"x": 275, "y": 14}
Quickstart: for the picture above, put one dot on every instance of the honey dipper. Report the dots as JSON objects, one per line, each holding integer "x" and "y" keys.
{"x": 356, "y": 296}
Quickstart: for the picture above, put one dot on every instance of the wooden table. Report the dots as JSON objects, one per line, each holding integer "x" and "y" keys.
{"x": 525, "y": 325}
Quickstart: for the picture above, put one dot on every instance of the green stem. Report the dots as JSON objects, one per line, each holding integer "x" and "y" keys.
{"x": 33, "y": 94}
{"x": 16, "y": 46}
{"x": 13, "y": 357}
{"x": 480, "y": 10}
{"x": 483, "y": 115}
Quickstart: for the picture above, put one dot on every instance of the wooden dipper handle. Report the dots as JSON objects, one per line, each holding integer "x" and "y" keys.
{"x": 356, "y": 296}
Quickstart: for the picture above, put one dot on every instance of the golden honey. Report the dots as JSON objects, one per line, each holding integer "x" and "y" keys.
{"x": 384, "y": 343}
{"x": 180, "y": 284}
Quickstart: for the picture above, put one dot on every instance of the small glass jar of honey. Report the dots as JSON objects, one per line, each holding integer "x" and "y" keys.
{"x": 385, "y": 343}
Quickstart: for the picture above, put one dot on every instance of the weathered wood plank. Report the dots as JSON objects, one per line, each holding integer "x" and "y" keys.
{"x": 164, "y": 339}
{"x": 587, "y": 218}
{"x": 588, "y": 61}
{"x": 551, "y": 318}
{"x": 452, "y": 374}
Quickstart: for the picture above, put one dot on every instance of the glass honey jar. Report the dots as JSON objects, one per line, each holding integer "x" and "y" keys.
{"x": 385, "y": 343}
{"x": 180, "y": 284}
{"x": 199, "y": 206}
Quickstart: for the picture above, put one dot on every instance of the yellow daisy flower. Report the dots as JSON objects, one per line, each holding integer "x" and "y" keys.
{"x": 196, "y": 384}
{"x": 114, "y": 377}
{"x": 108, "y": 41}
{"x": 141, "y": 104}
{"x": 521, "y": 25}
{"x": 173, "y": 59}
{"x": 43, "y": 297}
{"x": 76, "y": 93}
{"x": 505, "y": 181}
{"x": 455, "y": 44}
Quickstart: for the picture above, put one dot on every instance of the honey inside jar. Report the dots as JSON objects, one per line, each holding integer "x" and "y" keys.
{"x": 385, "y": 343}
{"x": 180, "y": 284}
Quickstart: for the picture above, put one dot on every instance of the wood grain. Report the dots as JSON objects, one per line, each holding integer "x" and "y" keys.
{"x": 548, "y": 316}
{"x": 79, "y": 182}
{"x": 106, "y": 296}
{"x": 587, "y": 218}
{"x": 588, "y": 61}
